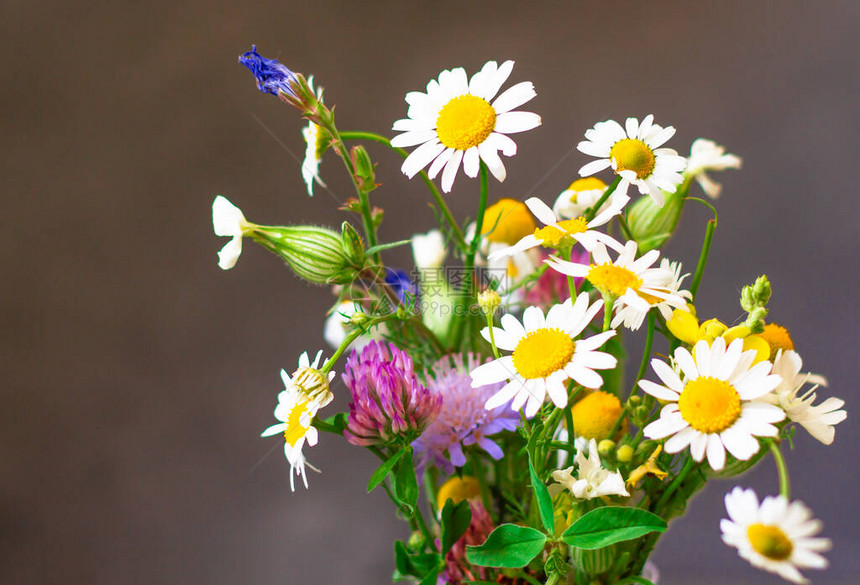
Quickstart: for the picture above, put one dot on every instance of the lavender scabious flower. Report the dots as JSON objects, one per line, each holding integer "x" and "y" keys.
{"x": 463, "y": 419}
{"x": 389, "y": 405}
{"x": 272, "y": 76}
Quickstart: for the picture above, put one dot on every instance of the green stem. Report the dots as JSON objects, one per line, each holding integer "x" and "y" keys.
{"x": 625, "y": 229}
{"x": 706, "y": 248}
{"x": 492, "y": 335}
{"x": 676, "y": 483}
{"x": 649, "y": 340}
{"x": 784, "y": 487}
{"x": 434, "y": 190}
{"x": 351, "y": 336}
{"x": 592, "y": 211}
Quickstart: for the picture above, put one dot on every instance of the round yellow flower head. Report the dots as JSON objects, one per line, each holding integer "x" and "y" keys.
{"x": 507, "y": 222}
{"x": 458, "y": 489}
{"x": 595, "y": 416}
{"x": 585, "y": 184}
{"x": 777, "y": 338}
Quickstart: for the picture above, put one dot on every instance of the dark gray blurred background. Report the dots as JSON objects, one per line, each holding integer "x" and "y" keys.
{"x": 136, "y": 375}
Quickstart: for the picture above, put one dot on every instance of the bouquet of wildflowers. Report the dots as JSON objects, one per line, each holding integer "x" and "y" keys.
{"x": 491, "y": 382}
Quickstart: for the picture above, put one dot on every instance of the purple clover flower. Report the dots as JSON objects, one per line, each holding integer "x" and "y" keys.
{"x": 389, "y": 404}
{"x": 463, "y": 420}
{"x": 272, "y": 76}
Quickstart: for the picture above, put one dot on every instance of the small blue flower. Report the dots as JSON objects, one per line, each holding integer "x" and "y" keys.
{"x": 272, "y": 76}
{"x": 399, "y": 281}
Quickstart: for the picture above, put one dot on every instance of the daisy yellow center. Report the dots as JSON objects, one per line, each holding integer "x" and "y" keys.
{"x": 551, "y": 236}
{"x": 507, "y": 222}
{"x": 770, "y": 541}
{"x": 611, "y": 279}
{"x": 631, "y": 154}
{"x": 595, "y": 416}
{"x": 709, "y": 405}
{"x": 542, "y": 352}
{"x": 777, "y": 338}
{"x": 465, "y": 121}
{"x": 586, "y": 184}
{"x": 295, "y": 430}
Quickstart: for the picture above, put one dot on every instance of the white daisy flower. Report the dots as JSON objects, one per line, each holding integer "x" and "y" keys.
{"x": 306, "y": 391}
{"x": 707, "y": 155}
{"x": 544, "y": 355}
{"x": 670, "y": 273}
{"x": 717, "y": 406}
{"x": 584, "y": 193}
{"x": 634, "y": 153}
{"x": 228, "y": 220}
{"x": 556, "y": 231}
{"x": 818, "y": 420}
{"x": 633, "y": 283}
{"x": 591, "y": 480}
{"x": 777, "y": 536}
{"x": 454, "y": 122}
{"x": 317, "y": 141}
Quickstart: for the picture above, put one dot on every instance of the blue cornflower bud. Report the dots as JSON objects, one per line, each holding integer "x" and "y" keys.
{"x": 272, "y": 76}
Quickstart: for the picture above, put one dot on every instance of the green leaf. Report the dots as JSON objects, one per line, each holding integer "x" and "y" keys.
{"x": 383, "y": 470}
{"x": 611, "y": 524}
{"x": 508, "y": 546}
{"x": 380, "y": 247}
{"x": 455, "y": 522}
{"x": 431, "y": 577}
{"x": 416, "y": 565}
{"x": 632, "y": 580}
{"x": 405, "y": 482}
{"x": 543, "y": 500}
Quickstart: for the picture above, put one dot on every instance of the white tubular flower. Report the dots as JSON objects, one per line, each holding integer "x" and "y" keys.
{"x": 818, "y": 420}
{"x": 557, "y": 231}
{"x": 706, "y": 155}
{"x": 591, "y": 481}
{"x": 544, "y": 356}
{"x": 454, "y": 122}
{"x": 633, "y": 151}
{"x": 777, "y": 536}
{"x": 228, "y": 220}
{"x": 429, "y": 250}
{"x": 717, "y": 407}
{"x": 305, "y": 392}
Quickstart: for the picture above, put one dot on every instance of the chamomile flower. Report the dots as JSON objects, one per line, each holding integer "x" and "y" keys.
{"x": 632, "y": 283}
{"x": 706, "y": 155}
{"x": 819, "y": 419}
{"x": 776, "y": 535}
{"x": 714, "y": 402}
{"x": 455, "y": 122}
{"x": 544, "y": 356}
{"x": 228, "y": 220}
{"x": 584, "y": 193}
{"x": 591, "y": 479}
{"x": 305, "y": 392}
{"x": 634, "y": 152}
{"x": 560, "y": 234}
{"x": 317, "y": 141}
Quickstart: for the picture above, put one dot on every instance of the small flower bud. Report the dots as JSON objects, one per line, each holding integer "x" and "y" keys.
{"x": 365, "y": 174}
{"x": 353, "y": 247}
{"x": 489, "y": 300}
{"x": 416, "y": 541}
{"x": 651, "y": 225}
{"x": 624, "y": 454}
{"x": 606, "y": 447}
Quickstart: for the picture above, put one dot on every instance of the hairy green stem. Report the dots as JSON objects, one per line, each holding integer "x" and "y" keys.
{"x": 784, "y": 487}
{"x": 592, "y": 211}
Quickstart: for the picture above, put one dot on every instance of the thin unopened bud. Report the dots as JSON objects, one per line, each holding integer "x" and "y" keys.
{"x": 489, "y": 300}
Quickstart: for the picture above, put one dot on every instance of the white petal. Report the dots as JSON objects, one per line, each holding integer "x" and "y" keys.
{"x": 658, "y": 391}
{"x": 227, "y": 219}
{"x": 413, "y": 138}
{"x": 513, "y": 122}
{"x": 493, "y": 372}
{"x": 229, "y": 254}
{"x": 533, "y": 319}
{"x": 514, "y": 96}
{"x": 274, "y": 430}
{"x": 678, "y": 442}
{"x": 716, "y": 452}
{"x": 541, "y": 210}
{"x": 471, "y": 162}
{"x": 450, "y": 172}
{"x": 421, "y": 157}
{"x": 497, "y": 79}
{"x": 594, "y": 166}
{"x": 440, "y": 162}
{"x": 492, "y": 160}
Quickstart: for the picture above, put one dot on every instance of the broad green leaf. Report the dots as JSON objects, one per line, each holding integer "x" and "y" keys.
{"x": 416, "y": 565}
{"x": 431, "y": 577}
{"x": 508, "y": 546}
{"x": 383, "y": 470}
{"x": 543, "y": 500}
{"x": 405, "y": 482}
{"x": 455, "y": 522}
{"x": 611, "y": 524}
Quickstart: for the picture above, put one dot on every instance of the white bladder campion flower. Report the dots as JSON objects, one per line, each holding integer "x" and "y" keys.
{"x": 592, "y": 480}
{"x": 706, "y": 155}
{"x": 455, "y": 122}
{"x": 777, "y": 536}
{"x": 228, "y": 220}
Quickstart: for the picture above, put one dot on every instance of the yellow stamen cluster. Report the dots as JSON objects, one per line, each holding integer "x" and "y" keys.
{"x": 770, "y": 541}
{"x": 295, "y": 429}
{"x": 631, "y": 154}
{"x": 709, "y": 405}
{"x": 595, "y": 416}
{"x": 507, "y": 222}
{"x": 612, "y": 280}
{"x": 551, "y": 236}
{"x": 777, "y": 338}
{"x": 465, "y": 121}
{"x": 542, "y": 352}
